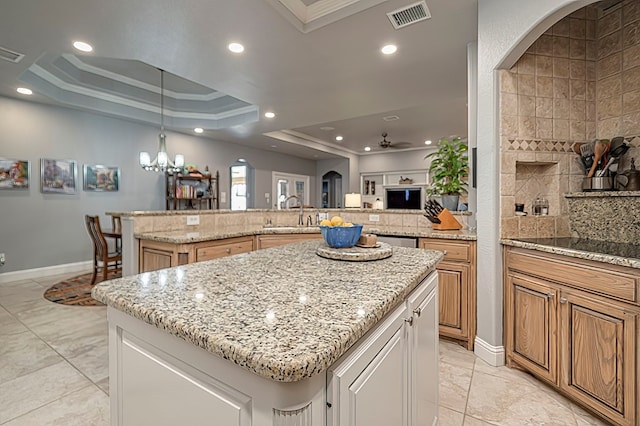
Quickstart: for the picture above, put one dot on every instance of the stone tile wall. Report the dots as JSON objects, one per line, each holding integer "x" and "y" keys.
{"x": 580, "y": 80}
{"x": 618, "y": 75}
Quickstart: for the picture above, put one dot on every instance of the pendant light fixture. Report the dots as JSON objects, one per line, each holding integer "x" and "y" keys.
{"x": 161, "y": 163}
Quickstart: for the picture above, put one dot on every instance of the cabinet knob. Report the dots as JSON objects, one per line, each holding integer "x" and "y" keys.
{"x": 229, "y": 251}
{"x": 563, "y": 300}
{"x": 417, "y": 311}
{"x": 550, "y": 295}
{"x": 409, "y": 320}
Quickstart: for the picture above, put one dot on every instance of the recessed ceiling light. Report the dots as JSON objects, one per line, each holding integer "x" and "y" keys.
{"x": 82, "y": 46}
{"x": 367, "y": 148}
{"x": 327, "y": 128}
{"x": 198, "y": 130}
{"x": 236, "y": 47}
{"x": 427, "y": 142}
{"x": 389, "y": 49}
{"x": 339, "y": 138}
{"x": 269, "y": 114}
{"x": 391, "y": 118}
{"x": 274, "y": 146}
{"x": 24, "y": 91}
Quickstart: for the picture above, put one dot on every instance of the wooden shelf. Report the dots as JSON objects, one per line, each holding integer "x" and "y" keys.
{"x": 178, "y": 183}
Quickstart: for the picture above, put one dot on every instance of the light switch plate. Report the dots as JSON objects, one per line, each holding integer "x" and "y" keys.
{"x": 374, "y": 218}
{"x": 223, "y": 197}
{"x": 193, "y": 220}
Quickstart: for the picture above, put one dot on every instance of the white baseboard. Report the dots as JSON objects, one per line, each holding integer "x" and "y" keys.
{"x": 492, "y": 355}
{"x": 28, "y": 274}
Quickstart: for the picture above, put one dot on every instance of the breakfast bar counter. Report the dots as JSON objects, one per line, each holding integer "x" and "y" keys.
{"x": 261, "y": 337}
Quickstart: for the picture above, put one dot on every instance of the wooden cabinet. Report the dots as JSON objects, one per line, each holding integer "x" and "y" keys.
{"x": 273, "y": 240}
{"x": 457, "y": 288}
{"x": 580, "y": 339}
{"x": 156, "y": 255}
{"x": 401, "y": 357}
{"x": 184, "y": 192}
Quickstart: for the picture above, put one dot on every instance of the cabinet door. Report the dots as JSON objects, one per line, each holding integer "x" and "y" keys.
{"x": 153, "y": 259}
{"x": 532, "y": 325}
{"x": 453, "y": 283}
{"x": 424, "y": 356}
{"x": 598, "y": 363}
{"x": 369, "y": 386}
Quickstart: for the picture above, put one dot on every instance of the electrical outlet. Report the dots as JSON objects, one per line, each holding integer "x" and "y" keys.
{"x": 374, "y": 218}
{"x": 323, "y": 216}
{"x": 193, "y": 220}
{"x": 223, "y": 197}
{"x": 3, "y": 259}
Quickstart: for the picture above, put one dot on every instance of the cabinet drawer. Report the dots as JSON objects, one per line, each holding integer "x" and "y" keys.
{"x": 454, "y": 250}
{"x": 613, "y": 281}
{"x": 223, "y": 249}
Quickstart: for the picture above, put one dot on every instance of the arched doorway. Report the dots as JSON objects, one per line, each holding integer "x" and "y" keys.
{"x": 332, "y": 190}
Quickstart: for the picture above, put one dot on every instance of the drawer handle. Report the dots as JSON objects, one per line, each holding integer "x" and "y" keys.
{"x": 563, "y": 300}
{"x": 417, "y": 311}
{"x": 409, "y": 320}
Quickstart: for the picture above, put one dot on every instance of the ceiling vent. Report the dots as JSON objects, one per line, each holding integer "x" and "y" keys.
{"x": 408, "y": 15}
{"x": 9, "y": 55}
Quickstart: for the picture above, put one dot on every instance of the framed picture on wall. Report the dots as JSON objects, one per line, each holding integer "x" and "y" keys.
{"x": 14, "y": 174}
{"x": 58, "y": 176}
{"x": 101, "y": 178}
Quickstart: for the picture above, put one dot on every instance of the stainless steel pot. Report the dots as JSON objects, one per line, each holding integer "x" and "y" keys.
{"x": 599, "y": 183}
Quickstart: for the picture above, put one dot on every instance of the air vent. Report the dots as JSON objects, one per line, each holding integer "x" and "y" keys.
{"x": 408, "y": 15}
{"x": 9, "y": 55}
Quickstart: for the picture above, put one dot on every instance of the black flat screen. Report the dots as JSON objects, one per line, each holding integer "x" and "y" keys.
{"x": 405, "y": 198}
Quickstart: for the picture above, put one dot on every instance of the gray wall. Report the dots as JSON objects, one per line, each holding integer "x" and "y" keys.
{"x": 394, "y": 161}
{"x": 39, "y": 230}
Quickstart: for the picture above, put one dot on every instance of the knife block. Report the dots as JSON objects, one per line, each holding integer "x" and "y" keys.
{"x": 447, "y": 222}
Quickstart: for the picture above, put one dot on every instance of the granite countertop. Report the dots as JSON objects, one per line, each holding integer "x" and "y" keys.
{"x": 283, "y": 313}
{"x": 186, "y": 237}
{"x": 601, "y": 251}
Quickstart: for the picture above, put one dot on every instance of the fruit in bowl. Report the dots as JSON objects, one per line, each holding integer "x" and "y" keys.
{"x": 340, "y": 234}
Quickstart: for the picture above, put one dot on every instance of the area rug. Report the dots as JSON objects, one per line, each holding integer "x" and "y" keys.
{"x": 74, "y": 291}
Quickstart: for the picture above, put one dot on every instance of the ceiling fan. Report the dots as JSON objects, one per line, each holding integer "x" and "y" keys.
{"x": 384, "y": 143}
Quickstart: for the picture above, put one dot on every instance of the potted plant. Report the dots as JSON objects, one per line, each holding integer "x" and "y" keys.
{"x": 449, "y": 169}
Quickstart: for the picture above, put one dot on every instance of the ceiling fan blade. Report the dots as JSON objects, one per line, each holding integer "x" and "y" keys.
{"x": 400, "y": 145}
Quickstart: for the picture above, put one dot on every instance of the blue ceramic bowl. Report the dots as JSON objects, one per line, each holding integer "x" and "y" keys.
{"x": 341, "y": 236}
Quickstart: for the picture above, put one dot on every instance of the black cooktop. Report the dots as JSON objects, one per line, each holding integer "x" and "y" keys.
{"x": 591, "y": 246}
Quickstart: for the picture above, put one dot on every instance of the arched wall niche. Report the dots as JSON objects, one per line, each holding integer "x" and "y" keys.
{"x": 506, "y": 30}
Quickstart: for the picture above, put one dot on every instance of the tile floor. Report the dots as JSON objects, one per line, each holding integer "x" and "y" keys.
{"x": 54, "y": 371}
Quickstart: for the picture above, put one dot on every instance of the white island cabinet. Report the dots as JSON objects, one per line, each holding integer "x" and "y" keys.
{"x": 258, "y": 340}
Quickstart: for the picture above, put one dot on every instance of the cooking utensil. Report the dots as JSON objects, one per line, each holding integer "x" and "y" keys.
{"x": 576, "y": 147}
{"x": 599, "y": 150}
{"x": 602, "y": 172}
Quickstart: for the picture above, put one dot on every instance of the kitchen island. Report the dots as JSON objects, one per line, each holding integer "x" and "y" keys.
{"x": 278, "y": 336}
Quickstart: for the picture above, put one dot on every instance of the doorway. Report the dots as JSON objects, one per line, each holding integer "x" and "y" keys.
{"x": 332, "y": 190}
{"x": 241, "y": 179}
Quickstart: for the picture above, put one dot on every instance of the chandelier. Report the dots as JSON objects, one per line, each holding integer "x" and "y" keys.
{"x": 161, "y": 163}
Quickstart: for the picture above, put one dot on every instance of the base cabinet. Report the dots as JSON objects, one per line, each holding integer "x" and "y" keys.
{"x": 156, "y": 255}
{"x": 401, "y": 357}
{"x": 457, "y": 288}
{"x": 581, "y": 342}
{"x": 274, "y": 240}
{"x": 389, "y": 377}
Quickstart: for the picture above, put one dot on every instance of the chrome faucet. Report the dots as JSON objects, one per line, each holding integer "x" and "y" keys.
{"x": 301, "y": 212}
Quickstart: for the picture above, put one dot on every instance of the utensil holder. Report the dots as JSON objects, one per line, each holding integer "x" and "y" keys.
{"x": 447, "y": 222}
